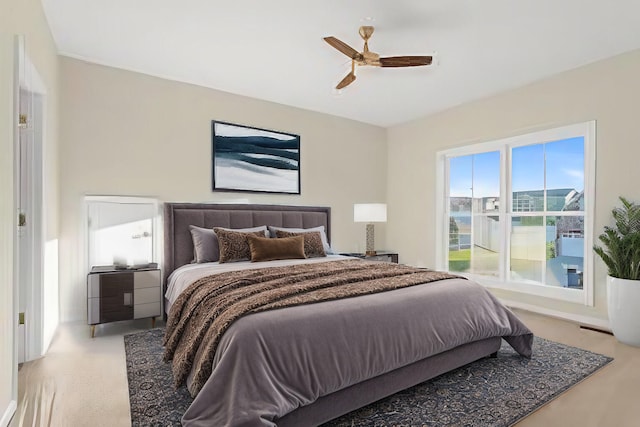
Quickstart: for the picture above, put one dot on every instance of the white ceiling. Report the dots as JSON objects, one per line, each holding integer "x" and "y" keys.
{"x": 273, "y": 50}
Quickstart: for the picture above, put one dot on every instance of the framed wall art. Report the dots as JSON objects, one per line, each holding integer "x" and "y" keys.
{"x": 254, "y": 160}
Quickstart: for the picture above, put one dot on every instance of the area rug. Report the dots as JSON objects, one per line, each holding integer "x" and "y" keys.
{"x": 490, "y": 392}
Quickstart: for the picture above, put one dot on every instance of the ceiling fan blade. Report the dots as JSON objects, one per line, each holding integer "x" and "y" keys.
{"x": 405, "y": 61}
{"x": 342, "y": 47}
{"x": 348, "y": 79}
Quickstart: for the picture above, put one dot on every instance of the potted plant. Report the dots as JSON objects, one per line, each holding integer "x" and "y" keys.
{"x": 620, "y": 251}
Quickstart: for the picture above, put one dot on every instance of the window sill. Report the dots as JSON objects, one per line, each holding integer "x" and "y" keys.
{"x": 577, "y": 296}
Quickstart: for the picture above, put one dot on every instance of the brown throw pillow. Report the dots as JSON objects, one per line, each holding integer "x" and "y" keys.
{"x": 234, "y": 245}
{"x": 266, "y": 249}
{"x": 205, "y": 242}
{"x": 313, "y": 247}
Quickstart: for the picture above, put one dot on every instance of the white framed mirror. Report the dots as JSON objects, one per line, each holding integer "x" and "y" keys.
{"x": 122, "y": 231}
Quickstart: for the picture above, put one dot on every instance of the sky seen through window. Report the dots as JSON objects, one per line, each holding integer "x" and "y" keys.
{"x": 481, "y": 172}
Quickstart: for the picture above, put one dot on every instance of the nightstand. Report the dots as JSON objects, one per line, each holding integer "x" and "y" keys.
{"x": 383, "y": 256}
{"x": 114, "y": 295}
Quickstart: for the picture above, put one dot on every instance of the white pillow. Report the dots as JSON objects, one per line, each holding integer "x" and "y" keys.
{"x": 320, "y": 228}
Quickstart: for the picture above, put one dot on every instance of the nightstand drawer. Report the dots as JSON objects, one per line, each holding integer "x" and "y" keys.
{"x": 114, "y": 285}
{"x": 112, "y": 310}
{"x": 93, "y": 286}
{"x": 93, "y": 311}
{"x": 146, "y": 279}
{"x": 146, "y": 295}
{"x": 146, "y": 310}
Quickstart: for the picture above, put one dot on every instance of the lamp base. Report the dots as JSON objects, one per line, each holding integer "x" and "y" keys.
{"x": 370, "y": 251}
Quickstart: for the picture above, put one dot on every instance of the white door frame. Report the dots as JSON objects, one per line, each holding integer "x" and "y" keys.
{"x": 8, "y": 222}
{"x": 30, "y": 239}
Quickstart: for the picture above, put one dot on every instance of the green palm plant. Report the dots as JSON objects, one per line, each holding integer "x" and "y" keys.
{"x": 620, "y": 249}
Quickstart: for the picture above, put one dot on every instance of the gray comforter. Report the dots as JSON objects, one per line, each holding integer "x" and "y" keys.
{"x": 270, "y": 363}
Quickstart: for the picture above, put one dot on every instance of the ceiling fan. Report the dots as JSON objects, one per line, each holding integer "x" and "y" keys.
{"x": 366, "y": 57}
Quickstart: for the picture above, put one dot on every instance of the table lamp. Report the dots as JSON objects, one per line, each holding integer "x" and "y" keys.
{"x": 370, "y": 213}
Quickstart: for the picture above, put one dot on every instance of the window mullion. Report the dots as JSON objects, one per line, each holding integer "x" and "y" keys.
{"x": 447, "y": 214}
{"x": 505, "y": 206}
{"x": 545, "y": 206}
{"x": 472, "y": 237}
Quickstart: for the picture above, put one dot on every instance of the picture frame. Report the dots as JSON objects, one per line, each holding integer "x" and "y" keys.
{"x": 254, "y": 160}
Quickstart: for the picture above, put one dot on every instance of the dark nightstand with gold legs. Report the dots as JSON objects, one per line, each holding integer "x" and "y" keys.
{"x": 114, "y": 295}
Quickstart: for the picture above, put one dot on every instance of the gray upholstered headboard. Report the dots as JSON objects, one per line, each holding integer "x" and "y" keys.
{"x": 178, "y": 246}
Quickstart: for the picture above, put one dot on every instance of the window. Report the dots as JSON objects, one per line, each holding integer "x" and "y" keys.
{"x": 517, "y": 213}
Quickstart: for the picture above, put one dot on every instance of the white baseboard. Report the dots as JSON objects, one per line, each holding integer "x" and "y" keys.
{"x": 8, "y": 414}
{"x": 578, "y": 318}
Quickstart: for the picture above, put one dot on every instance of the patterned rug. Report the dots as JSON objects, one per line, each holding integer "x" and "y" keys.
{"x": 490, "y": 392}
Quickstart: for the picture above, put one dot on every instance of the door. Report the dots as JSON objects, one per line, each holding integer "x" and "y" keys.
{"x": 29, "y": 199}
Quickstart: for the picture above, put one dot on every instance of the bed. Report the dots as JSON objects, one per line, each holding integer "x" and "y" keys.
{"x": 307, "y": 364}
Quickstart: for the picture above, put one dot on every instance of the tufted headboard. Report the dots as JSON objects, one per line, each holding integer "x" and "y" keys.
{"x": 178, "y": 246}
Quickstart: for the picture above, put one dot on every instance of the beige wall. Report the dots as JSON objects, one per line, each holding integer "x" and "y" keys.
{"x": 124, "y": 133}
{"x": 607, "y": 91}
{"x": 22, "y": 17}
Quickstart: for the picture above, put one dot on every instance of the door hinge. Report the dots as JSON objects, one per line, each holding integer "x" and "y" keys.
{"x": 22, "y": 120}
{"x": 20, "y": 318}
{"x": 22, "y": 219}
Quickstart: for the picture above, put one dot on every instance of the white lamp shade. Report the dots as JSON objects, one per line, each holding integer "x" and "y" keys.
{"x": 370, "y": 212}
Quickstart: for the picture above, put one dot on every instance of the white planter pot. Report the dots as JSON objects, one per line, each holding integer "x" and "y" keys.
{"x": 623, "y": 297}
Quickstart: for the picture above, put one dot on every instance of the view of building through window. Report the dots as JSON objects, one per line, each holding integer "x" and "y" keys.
{"x": 538, "y": 235}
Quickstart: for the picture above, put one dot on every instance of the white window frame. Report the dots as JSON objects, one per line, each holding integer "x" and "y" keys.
{"x": 587, "y": 130}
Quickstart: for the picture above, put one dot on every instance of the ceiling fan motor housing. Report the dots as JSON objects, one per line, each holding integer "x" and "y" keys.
{"x": 370, "y": 58}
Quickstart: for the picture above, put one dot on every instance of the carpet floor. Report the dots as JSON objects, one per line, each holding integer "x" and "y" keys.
{"x": 489, "y": 392}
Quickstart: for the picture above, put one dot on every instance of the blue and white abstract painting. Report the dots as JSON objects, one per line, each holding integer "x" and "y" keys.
{"x": 256, "y": 160}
